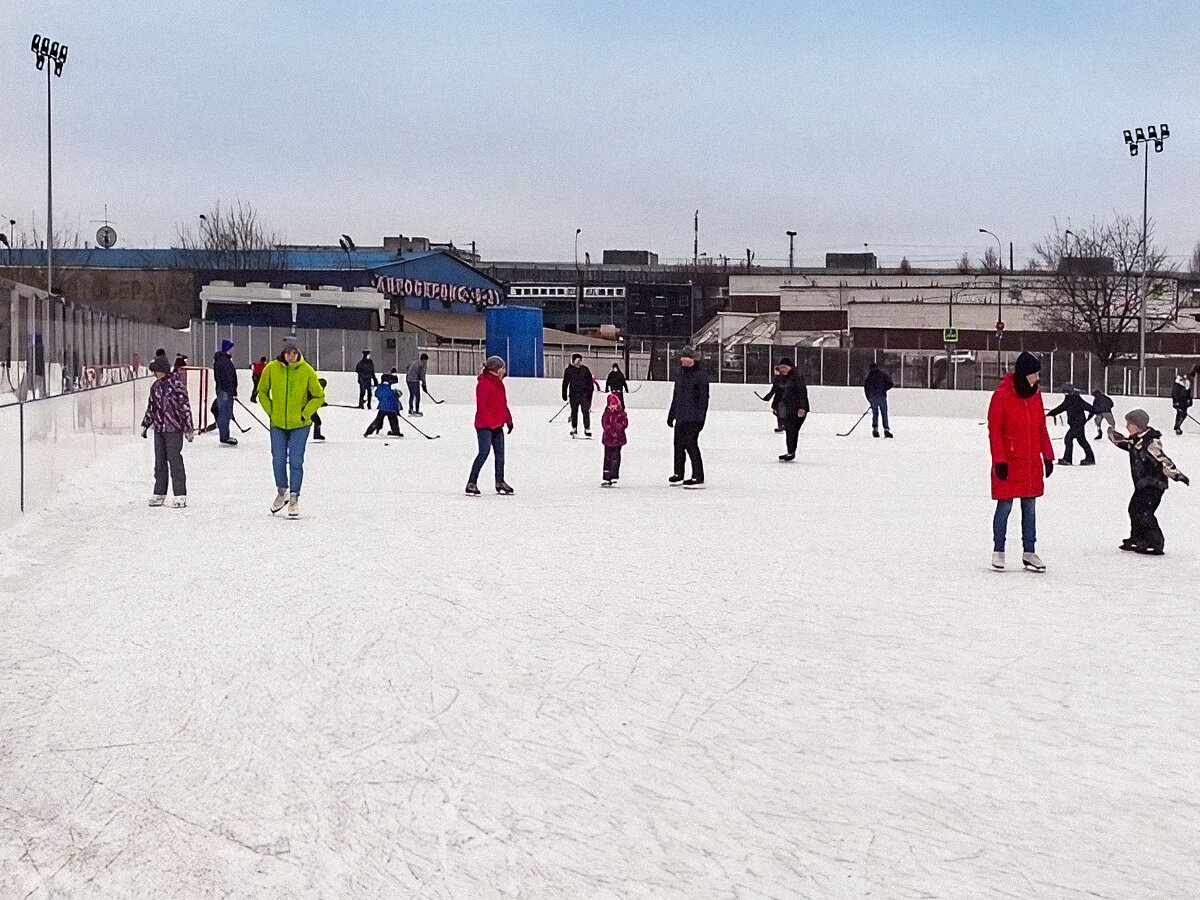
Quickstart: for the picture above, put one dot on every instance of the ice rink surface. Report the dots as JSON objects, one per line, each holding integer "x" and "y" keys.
{"x": 803, "y": 681}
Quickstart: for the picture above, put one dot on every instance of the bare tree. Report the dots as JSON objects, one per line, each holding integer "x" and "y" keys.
{"x": 233, "y": 237}
{"x": 990, "y": 262}
{"x": 1094, "y": 281}
{"x": 1194, "y": 262}
{"x": 964, "y": 263}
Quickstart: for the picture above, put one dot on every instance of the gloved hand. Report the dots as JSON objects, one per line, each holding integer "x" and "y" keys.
{"x": 1048, "y": 466}
{"x": 670, "y": 423}
{"x": 189, "y": 436}
{"x": 510, "y": 427}
{"x": 144, "y": 430}
{"x": 1184, "y": 480}
{"x": 1002, "y": 471}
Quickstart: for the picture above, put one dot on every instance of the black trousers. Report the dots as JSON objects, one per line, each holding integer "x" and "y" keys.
{"x": 583, "y": 405}
{"x": 254, "y": 390}
{"x": 168, "y": 458}
{"x": 377, "y": 425}
{"x": 612, "y": 463}
{"x": 316, "y": 420}
{"x": 1143, "y": 525}
{"x": 791, "y": 431}
{"x": 1180, "y": 417}
{"x": 364, "y": 393}
{"x": 1075, "y": 433}
{"x": 687, "y": 435}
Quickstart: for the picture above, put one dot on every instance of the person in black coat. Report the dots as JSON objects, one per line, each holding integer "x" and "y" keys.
{"x": 225, "y": 379}
{"x": 791, "y": 397}
{"x": 689, "y": 409}
{"x": 773, "y": 397}
{"x": 1078, "y": 411}
{"x": 367, "y": 380}
{"x": 1181, "y": 399}
{"x": 578, "y": 386}
{"x": 616, "y": 383}
{"x": 876, "y": 386}
{"x": 1102, "y": 407}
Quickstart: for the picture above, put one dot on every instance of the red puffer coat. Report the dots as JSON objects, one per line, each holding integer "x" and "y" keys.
{"x": 491, "y": 402}
{"x": 1017, "y": 429}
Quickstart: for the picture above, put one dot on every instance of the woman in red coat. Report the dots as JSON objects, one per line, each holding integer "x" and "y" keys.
{"x": 491, "y": 417}
{"x": 1021, "y": 455}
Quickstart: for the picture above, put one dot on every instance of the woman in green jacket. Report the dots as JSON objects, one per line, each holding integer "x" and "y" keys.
{"x": 289, "y": 393}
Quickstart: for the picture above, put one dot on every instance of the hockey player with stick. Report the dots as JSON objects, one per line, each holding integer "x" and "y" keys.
{"x": 578, "y": 385}
{"x": 1151, "y": 470}
{"x": 1181, "y": 399}
{"x": 876, "y": 386}
{"x": 791, "y": 397}
{"x": 1078, "y": 412}
{"x": 387, "y": 400}
{"x": 169, "y": 413}
{"x": 365, "y": 370}
{"x": 772, "y": 396}
{"x": 226, "y": 381}
{"x": 414, "y": 376}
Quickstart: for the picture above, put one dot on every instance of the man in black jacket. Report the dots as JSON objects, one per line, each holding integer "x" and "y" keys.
{"x": 225, "y": 380}
{"x": 689, "y": 409}
{"x": 876, "y": 386}
{"x": 577, "y": 388}
{"x": 367, "y": 381}
{"x": 1078, "y": 411}
{"x": 791, "y": 397}
{"x": 615, "y": 383}
{"x": 1181, "y": 399}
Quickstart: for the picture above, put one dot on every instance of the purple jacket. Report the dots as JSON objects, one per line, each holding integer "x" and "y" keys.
{"x": 168, "y": 408}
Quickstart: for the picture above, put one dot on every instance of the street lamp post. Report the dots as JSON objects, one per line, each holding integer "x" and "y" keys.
{"x": 55, "y": 54}
{"x": 578, "y": 279}
{"x": 999, "y": 298}
{"x": 12, "y": 223}
{"x": 1154, "y": 136}
{"x": 791, "y": 251}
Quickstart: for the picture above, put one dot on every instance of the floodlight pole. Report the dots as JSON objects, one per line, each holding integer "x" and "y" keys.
{"x": 51, "y": 56}
{"x": 791, "y": 251}
{"x": 1132, "y": 140}
{"x": 999, "y": 298}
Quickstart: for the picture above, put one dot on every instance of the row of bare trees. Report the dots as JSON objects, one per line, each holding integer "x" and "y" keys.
{"x": 233, "y": 237}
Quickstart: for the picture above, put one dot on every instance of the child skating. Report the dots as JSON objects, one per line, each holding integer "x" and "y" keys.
{"x": 613, "y": 423}
{"x": 1152, "y": 470}
{"x": 169, "y": 413}
{"x": 388, "y": 406}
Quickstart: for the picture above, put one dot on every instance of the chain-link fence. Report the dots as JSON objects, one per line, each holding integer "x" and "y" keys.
{"x": 51, "y": 346}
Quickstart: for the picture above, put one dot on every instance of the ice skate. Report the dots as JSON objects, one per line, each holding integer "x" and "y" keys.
{"x": 874, "y": 432}
{"x": 694, "y": 484}
{"x": 1033, "y": 562}
{"x": 179, "y": 502}
{"x": 998, "y": 559}
{"x": 472, "y": 489}
{"x": 280, "y": 500}
{"x": 1130, "y": 544}
{"x": 787, "y": 457}
{"x": 1088, "y": 462}
{"x": 1149, "y": 551}
{"x": 158, "y": 499}
{"x": 887, "y": 434}
{"x": 230, "y": 442}
{"x": 675, "y": 480}
{"x": 1065, "y": 462}
{"x": 293, "y": 506}
{"x": 503, "y": 488}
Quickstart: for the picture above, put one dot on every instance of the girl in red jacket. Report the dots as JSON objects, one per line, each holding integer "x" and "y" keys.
{"x": 1021, "y": 455}
{"x": 613, "y": 423}
{"x": 491, "y": 417}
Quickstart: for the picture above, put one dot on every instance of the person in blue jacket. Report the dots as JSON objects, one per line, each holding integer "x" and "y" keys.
{"x": 387, "y": 402}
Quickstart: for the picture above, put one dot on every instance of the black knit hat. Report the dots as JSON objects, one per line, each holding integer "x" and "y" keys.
{"x": 1027, "y": 364}
{"x": 786, "y": 361}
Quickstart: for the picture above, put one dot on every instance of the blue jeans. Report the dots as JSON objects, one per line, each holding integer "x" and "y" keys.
{"x": 414, "y": 396}
{"x": 287, "y": 456}
{"x": 879, "y": 407}
{"x": 1028, "y": 524}
{"x": 490, "y": 440}
{"x": 224, "y": 413}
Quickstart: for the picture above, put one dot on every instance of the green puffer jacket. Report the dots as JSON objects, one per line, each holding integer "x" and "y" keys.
{"x": 290, "y": 394}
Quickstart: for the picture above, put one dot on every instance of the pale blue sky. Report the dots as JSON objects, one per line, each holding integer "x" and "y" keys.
{"x": 906, "y": 126}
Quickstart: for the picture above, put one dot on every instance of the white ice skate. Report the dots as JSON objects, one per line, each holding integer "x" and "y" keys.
{"x": 998, "y": 559}
{"x": 293, "y": 506}
{"x": 280, "y": 501}
{"x": 179, "y": 502}
{"x": 158, "y": 499}
{"x": 1033, "y": 562}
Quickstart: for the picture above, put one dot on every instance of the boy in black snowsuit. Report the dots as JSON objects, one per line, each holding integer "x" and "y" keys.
{"x": 1151, "y": 468}
{"x": 1078, "y": 412}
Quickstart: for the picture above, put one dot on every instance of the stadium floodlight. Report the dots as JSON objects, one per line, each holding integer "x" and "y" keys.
{"x": 1141, "y": 135}
{"x": 1152, "y": 132}
{"x": 1128, "y": 136}
{"x": 1133, "y": 149}
{"x": 55, "y": 53}
{"x": 1163, "y": 131}
{"x": 349, "y": 242}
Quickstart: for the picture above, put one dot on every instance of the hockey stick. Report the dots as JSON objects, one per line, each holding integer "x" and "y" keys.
{"x": 433, "y": 398}
{"x": 252, "y": 415}
{"x": 560, "y": 412}
{"x": 428, "y": 437}
{"x": 234, "y": 420}
{"x": 855, "y": 425}
{"x": 347, "y": 406}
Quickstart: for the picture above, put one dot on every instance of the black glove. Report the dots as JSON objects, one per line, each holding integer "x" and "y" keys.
{"x": 1183, "y": 479}
{"x": 1048, "y": 466}
{"x": 670, "y": 423}
{"x": 510, "y": 427}
{"x": 1002, "y": 471}
{"x": 144, "y": 430}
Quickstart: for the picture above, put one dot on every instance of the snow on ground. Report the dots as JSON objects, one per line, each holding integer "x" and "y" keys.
{"x": 802, "y": 682}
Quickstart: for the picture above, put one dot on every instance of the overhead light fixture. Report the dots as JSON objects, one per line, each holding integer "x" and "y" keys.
{"x": 1158, "y": 146}
{"x": 1128, "y": 136}
{"x": 1163, "y": 130}
{"x": 1152, "y": 132}
{"x": 1133, "y": 151}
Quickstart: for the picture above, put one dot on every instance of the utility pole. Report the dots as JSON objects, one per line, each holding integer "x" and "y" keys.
{"x": 1155, "y": 136}
{"x": 791, "y": 251}
{"x": 50, "y": 55}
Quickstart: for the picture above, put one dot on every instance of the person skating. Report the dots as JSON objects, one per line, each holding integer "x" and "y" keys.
{"x": 689, "y": 409}
{"x": 772, "y": 396}
{"x": 367, "y": 380}
{"x": 316, "y": 418}
{"x": 1078, "y": 411}
{"x": 181, "y": 362}
{"x": 256, "y": 371}
{"x": 492, "y": 416}
{"x": 387, "y": 402}
{"x": 225, "y": 380}
{"x": 616, "y": 383}
{"x": 169, "y": 413}
{"x": 1102, "y": 407}
{"x": 876, "y": 386}
{"x": 577, "y": 388}
{"x": 289, "y": 393}
{"x": 613, "y": 424}
{"x": 1181, "y": 399}
{"x": 791, "y": 398}
{"x": 1152, "y": 470}
{"x": 414, "y": 377}
{"x": 1022, "y": 457}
